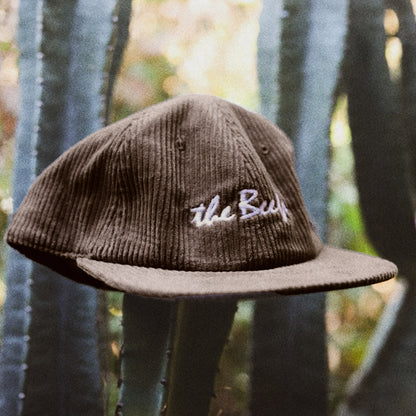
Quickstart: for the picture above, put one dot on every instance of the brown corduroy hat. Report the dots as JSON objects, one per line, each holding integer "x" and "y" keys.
{"x": 190, "y": 197}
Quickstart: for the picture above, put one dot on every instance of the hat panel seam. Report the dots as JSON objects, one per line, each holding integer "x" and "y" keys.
{"x": 250, "y": 250}
{"x": 249, "y": 159}
{"x": 151, "y": 245}
{"x": 285, "y": 169}
{"x": 253, "y": 161}
{"x": 176, "y": 152}
{"x": 97, "y": 242}
{"x": 142, "y": 248}
{"x": 297, "y": 206}
{"x": 244, "y": 146}
{"x": 89, "y": 207}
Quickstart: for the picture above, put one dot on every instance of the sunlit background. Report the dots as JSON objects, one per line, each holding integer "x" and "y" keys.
{"x": 209, "y": 46}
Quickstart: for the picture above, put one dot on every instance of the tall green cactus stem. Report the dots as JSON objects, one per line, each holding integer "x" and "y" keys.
{"x": 289, "y": 344}
{"x": 407, "y": 35}
{"x": 121, "y": 18}
{"x": 19, "y": 269}
{"x": 63, "y": 373}
{"x": 378, "y": 142}
{"x": 143, "y": 355}
{"x": 385, "y": 384}
{"x": 66, "y": 50}
{"x": 294, "y": 21}
{"x": 200, "y": 333}
{"x": 268, "y": 62}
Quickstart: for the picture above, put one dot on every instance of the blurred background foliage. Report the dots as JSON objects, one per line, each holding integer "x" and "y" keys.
{"x": 209, "y": 46}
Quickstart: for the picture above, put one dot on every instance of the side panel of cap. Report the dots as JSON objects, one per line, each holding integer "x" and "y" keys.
{"x": 146, "y": 228}
{"x": 59, "y": 214}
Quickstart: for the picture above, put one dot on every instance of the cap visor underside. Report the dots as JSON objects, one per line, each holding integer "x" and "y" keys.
{"x": 334, "y": 268}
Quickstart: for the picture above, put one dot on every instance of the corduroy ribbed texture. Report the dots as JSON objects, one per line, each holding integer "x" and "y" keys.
{"x": 125, "y": 193}
{"x": 153, "y": 189}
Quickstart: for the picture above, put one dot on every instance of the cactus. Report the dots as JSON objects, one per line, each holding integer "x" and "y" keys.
{"x": 146, "y": 325}
{"x": 16, "y": 308}
{"x": 70, "y": 55}
{"x": 382, "y": 113}
{"x": 374, "y": 113}
{"x": 49, "y": 356}
{"x": 121, "y": 18}
{"x": 200, "y": 333}
{"x": 305, "y": 42}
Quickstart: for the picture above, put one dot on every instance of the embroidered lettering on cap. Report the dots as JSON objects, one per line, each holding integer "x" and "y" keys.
{"x": 247, "y": 209}
{"x": 208, "y": 216}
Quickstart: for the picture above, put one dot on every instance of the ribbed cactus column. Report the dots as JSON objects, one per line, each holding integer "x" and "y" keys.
{"x": 201, "y": 331}
{"x": 304, "y": 42}
{"x": 49, "y": 355}
{"x": 16, "y": 307}
{"x": 176, "y": 379}
{"x": 146, "y": 324}
{"x": 379, "y": 138}
{"x": 382, "y": 116}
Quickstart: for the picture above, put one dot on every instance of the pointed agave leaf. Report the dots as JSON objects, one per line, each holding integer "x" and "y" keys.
{"x": 295, "y": 26}
{"x": 289, "y": 343}
{"x": 324, "y": 54}
{"x": 62, "y": 370}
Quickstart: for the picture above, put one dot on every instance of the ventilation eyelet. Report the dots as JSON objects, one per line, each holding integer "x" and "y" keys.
{"x": 264, "y": 149}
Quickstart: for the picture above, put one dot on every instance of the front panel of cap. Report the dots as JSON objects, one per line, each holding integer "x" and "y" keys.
{"x": 70, "y": 201}
{"x": 269, "y": 141}
{"x": 254, "y": 236}
{"x": 194, "y": 195}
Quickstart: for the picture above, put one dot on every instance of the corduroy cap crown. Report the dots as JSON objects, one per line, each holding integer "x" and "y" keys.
{"x": 193, "y": 196}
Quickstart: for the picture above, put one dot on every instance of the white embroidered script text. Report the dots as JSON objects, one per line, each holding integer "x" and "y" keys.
{"x": 248, "y": 207}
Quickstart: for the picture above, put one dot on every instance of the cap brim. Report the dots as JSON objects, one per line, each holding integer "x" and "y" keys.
{"x": 334, "y": 268}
